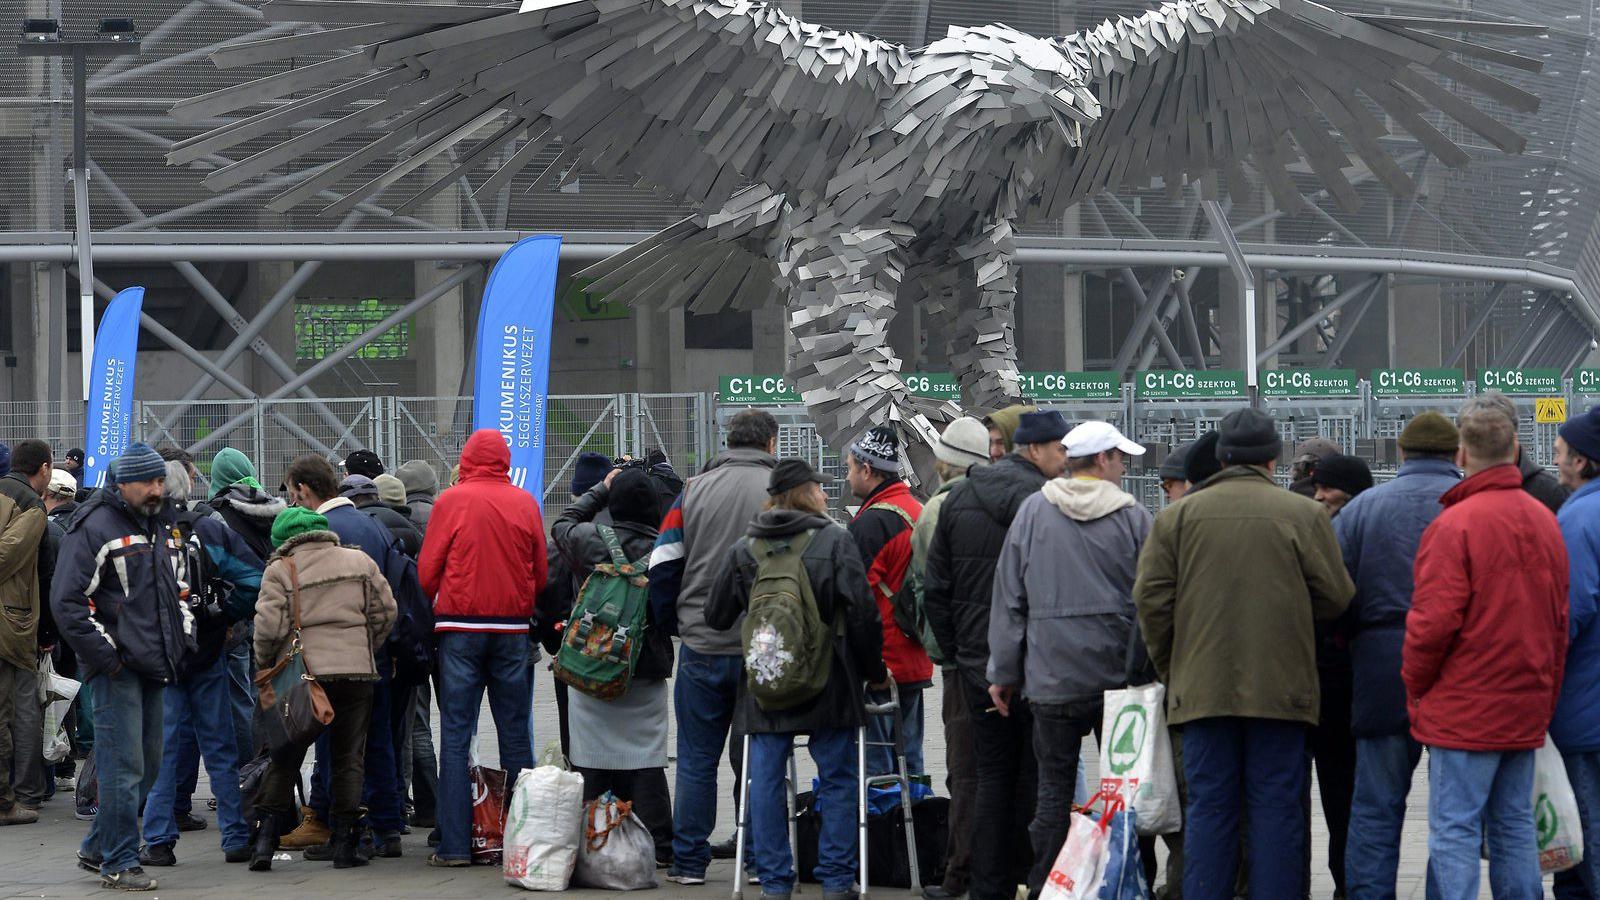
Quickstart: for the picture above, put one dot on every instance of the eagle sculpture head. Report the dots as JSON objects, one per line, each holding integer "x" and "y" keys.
{"x": 1024, "y": 78}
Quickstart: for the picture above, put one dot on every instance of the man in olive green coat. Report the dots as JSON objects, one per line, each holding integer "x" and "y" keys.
{"x": 1230, "y": 581}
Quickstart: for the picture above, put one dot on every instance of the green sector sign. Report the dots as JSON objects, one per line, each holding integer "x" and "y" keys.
{"x": 1418, "y": 382}
{"x": 1537, "y": 382}
{"x": 1225, "y": 384}
{"x": 757, "y": 390}
{"x": 1071, "y": 385}
{"x": 1586, "y": 381}
{"x": 932, "y": 385}
{"x": 1309, "y": 383}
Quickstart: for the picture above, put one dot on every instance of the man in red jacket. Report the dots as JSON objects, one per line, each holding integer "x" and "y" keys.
{"x": 483, "y": 562}
{"x": 882, "y": 529}
{"x": 1485, "y": 644}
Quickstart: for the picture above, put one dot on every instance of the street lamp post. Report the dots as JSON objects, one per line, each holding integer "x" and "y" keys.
{"x": 114, "y": 37}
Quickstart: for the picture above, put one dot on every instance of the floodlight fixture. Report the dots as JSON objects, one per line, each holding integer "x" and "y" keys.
{"x": 41, "y": 31}
{"x": 117, "y": 29}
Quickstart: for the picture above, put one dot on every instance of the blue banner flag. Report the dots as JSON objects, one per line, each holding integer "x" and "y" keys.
{"x": 512, "y": 378}
{"x": 109, "y": 429}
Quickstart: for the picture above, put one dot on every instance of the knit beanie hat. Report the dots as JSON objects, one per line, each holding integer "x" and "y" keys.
{"x": 878, "y": 448}
{"x": 1006, "y": 421}
{"x": 1202, "y": 462}
{"x": 633, "y": 498}
{"x": 1345, "y": 473}
{"x": 590, "y": 469}
{"x": 230, "y": 467}
{"x": 390, "y": 490}
{"x": 1317, "y": 448}
{"x": 296, "y": 520}
{"x": 1430, "y": 432}
{"x": 363, "y": 462}
{"x": 357, "y": 486}
{"x": 1172, "y": 468}
{"x": 1249, "y": 437}
{"x": 418, "y": 477}
{"x": 140, "y": 463}
{"x": 1582, "y": 434}
{"x": 965, "y": 442}
{"x": 1040, "y": 428}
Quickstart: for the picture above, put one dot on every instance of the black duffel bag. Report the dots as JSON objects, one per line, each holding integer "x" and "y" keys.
{"x": 887, "y": 865}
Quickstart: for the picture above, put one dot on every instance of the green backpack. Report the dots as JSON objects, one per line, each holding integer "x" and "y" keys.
{"x": 605, "y": 633}
{"x": 788, "y": 651}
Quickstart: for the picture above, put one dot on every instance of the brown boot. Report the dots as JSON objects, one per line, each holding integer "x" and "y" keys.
{"x": 18, "y": 815}
{"x": 310, "y": 833}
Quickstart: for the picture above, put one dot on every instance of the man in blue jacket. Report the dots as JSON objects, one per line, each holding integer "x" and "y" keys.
{"x": 118, "y": 601}
{"x": 1576, "y": 726}
{"x": 1378, "y": 534}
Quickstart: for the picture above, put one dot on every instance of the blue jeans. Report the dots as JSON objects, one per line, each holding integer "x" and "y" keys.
{"x": 1258, "y": 765}
{"x": 197, "y": 723}
{"x": 127, "y": 721}
{"x": 381, "y": 792}
{"x": 1582, "y": 882}
{"x": 1384, "y": 766}
{"x": 834, "y": 752}
{"x": 469, "y": 663}
{"x": 703, "y": 696}
{"x": 880, "y": 760}
{"x": 241, "y": 698}
{"x": 1470, "y": 793}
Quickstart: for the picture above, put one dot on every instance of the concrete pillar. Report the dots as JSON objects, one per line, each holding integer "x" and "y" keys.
{"x": 1042, "y": 320}
{"x": 1415, "y": 337}
{"x": 263, "y": 280}
{"x": 1071, "y": 321}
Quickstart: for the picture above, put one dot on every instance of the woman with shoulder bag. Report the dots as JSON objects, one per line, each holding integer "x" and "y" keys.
{"x": 330, "y": 605}
{"x": 796, "y": 521}
{"x": 620, "y": 745}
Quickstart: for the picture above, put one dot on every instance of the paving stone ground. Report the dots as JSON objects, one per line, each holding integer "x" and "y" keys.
{"x": 37, "y": 861}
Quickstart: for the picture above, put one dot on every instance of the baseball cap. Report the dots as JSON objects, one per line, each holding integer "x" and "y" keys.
{"x": 1098, "y": 437}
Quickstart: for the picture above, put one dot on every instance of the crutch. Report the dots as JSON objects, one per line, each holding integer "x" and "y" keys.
{"x": 740, "y": 830}
{"x": 891, "y": 708}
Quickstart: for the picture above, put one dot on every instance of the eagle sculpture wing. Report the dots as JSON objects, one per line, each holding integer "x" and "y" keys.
{"x": 1198, "y": 86}
{"x": 695, "y": 97}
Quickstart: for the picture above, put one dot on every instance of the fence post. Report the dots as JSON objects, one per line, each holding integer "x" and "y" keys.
{"x": 259, "y": 444}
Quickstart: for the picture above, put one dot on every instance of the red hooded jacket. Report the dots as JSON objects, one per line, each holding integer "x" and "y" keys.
{"x": 1486, "y": 637}
{"x": 483, "y": 560}
{"x": 884, "y": 538}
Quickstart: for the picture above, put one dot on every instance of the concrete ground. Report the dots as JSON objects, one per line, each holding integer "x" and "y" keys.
{"x": 37, "y": 861}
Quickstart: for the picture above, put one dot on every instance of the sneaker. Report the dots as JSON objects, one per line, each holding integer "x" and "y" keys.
{"x": 66, "y": 784}
{"x": 237, "y": 855}
{"x": 724, "y": 850}
{"x": 685, "y": 878}
{"x": 440, "y": 862}
{"x": 18, "y": 815}
{"x": 389, "y": 846}
{"x": 191, "y": 822}
{"x": 310, "y": 833}
{"x": 212, "y": 804}
{"x": 133, "y": 879}
{"x": 158, "y": 855}
{"x": 85, "y": 813}
{"x": 89, "y": 862}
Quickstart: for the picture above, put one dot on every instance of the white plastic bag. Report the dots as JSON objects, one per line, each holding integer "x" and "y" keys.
{"x": 1555, "y": 812}
{"x": 1080, "y": 867}
{"x": 1136, "y": 757}
{"x": 618, "y": 853}
{"x": 544, "y": 826}
{"x": 56, "y": 693}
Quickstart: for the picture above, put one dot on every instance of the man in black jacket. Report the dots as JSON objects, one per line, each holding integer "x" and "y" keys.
{"x": 116, "y": 599}
{"x": 956, "y": 589}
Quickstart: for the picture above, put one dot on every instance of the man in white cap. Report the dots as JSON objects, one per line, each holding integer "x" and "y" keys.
{"x": 1062, "y": 615}
{"x": 963, "y": 446}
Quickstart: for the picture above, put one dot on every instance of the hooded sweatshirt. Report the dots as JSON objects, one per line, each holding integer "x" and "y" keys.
{"x": 249, "y": 513}
{"x": 484, "y": 556}
{"x": 1007, "y": 420}
{"x": 1062, "y": 618}
{"x": 422, "y": 486}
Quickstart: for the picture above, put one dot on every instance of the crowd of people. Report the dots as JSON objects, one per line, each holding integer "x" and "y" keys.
{"x": 1338, "y": 626}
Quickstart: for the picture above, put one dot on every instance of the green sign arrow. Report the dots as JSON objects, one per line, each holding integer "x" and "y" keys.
{"x": 1225, "y": 384}
{"x": 757, "y": 390}
{"x": 1309, "y": 383}
{"x": 1532, "y": 382}
{"x": 1045, "y": 386}
{"x": 1418, "y": 383}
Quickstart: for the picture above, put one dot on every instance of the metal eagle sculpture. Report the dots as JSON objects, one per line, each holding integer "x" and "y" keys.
{"x": 845, "y": 174}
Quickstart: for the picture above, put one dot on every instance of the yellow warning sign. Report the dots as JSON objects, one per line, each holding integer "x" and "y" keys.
{"x": 1550, "y": 410}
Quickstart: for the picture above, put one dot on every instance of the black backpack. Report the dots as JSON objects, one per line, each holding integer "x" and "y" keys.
{"x": 412, "y": 643}
{"x": 207, "y": 593}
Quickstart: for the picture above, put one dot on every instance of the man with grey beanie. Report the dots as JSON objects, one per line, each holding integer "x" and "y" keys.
{"x": 1230, "y": 583}
{"x": 422, "y": 488}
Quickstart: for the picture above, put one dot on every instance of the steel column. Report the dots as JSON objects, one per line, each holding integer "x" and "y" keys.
{"x": 1309, "y": 322}
{"x": 1530, "y": 327}
{"x": 1148, "y": 307}
{"x": 1348, "y": 324}
{"x": 1479, "y": 319}
{"x": 1247, "y": 283}
{"x": 80, "y": 215}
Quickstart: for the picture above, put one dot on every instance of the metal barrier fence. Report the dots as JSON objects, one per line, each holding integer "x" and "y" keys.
{"x": 688, "y": 427}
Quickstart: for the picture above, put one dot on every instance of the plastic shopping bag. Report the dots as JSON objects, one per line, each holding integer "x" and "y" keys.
{"x": 488, "y": 814}
{"x": 1080, "y": 867}
{"x": 1136, "y": 757}
{"x": 617, "y": 853}
{"x": 544, "y": 825}
{"x": 1123, "y": 878}
{"x": 57, "y": 693}
{"x": 1555, "y": 812}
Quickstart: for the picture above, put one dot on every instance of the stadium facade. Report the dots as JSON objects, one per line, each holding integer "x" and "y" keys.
{"x": 1492, "y": 265}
